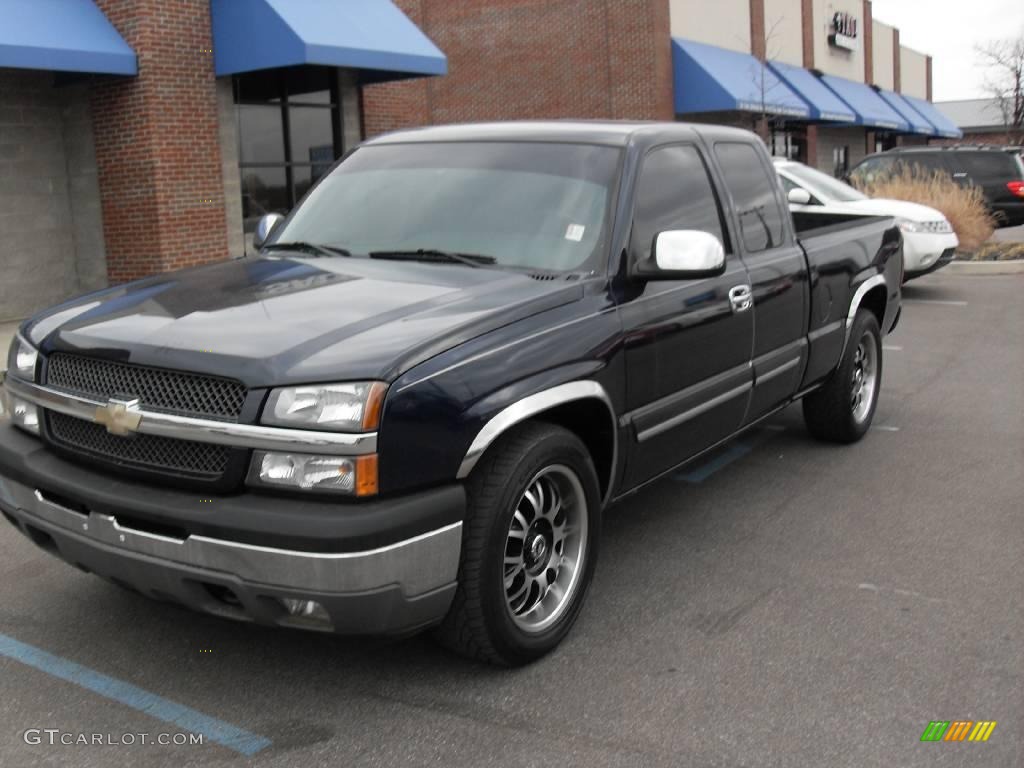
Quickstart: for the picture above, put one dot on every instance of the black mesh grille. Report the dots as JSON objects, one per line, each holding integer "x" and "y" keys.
{"x": 183, "y": 393}
{"x": 200, "y": 460}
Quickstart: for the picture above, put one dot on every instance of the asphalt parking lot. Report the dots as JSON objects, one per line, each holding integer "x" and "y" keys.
{"x": 782, "y": 603}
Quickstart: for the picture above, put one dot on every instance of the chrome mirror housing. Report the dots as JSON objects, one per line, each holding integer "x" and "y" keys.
{"x": 265, "y": 228}
{"x": 684, "y": 253}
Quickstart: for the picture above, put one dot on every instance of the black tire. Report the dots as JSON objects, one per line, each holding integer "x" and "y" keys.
{"x": 829, "y": 412}
{"x": 480, "y": 623}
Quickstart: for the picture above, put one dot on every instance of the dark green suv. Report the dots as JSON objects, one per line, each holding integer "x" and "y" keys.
{"x": 998, "y": 171}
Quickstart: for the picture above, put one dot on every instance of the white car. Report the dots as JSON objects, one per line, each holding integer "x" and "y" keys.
{"x": 929, "y": 242}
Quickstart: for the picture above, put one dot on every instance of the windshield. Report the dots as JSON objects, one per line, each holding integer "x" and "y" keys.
{"x": 823, "y": 186}
{"x": 528, "y": 205}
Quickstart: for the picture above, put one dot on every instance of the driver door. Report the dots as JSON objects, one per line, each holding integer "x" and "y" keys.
{"x": 688, "y": 344}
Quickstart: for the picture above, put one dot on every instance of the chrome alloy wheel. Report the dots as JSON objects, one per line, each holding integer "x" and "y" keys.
{"x": 865, "y": 377}
{"x": 545, "y": 547}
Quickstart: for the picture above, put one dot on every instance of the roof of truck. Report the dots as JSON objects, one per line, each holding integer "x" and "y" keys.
{"x": 611, "y": 132}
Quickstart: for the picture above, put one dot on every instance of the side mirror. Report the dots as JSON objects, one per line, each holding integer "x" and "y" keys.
{"x": 799, "y": 196}
{"x": 686, "y": 253}
{"x": 265, "y": 228}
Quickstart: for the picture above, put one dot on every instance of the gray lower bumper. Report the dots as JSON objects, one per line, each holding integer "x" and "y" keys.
{"x": 391, "y": 590}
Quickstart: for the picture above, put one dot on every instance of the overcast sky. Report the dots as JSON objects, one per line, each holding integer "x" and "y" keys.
{"x": 949, "y": 30}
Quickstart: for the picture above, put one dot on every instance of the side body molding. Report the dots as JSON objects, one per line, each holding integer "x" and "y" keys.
{"x": 531, "y": 406}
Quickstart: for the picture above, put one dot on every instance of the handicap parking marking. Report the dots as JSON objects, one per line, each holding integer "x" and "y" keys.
{"x": 151, "y": 704}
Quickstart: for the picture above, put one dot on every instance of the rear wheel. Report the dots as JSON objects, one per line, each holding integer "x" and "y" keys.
{"x": 529, "y": 547}
{"x": 842, "y": 409}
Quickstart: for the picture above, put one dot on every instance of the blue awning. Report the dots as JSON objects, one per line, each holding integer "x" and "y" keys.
{"x": 824, "y": 104}
{"x": 943, "y": 125}
{"x": 917, "y": 123}
{"x": 871, "y": 109}
{"x": 62, "y": 36}
{"x": 711, "y": 79}
{"x": 369, "y": 35}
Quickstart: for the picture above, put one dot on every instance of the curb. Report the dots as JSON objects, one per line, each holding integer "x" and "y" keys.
{"x": 1009, "y": 267}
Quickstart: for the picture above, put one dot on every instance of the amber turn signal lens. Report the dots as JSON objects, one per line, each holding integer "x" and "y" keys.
{"x": 374, "y": 405}
{"x": 366, "y": 475}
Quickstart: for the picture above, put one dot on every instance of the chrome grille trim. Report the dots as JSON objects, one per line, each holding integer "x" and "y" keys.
{"x": 158, "y": 389}
{"x": 205, "y": 461}
{"x": 203, "y": 430}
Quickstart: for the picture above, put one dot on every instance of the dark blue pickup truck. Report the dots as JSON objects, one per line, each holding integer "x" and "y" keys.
{"x": 465, "y": 343}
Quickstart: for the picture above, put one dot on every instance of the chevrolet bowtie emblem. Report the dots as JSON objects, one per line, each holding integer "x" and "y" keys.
{"x": 120, "y": 416}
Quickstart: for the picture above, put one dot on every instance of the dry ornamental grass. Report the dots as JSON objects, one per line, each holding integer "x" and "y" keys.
{"x": 963, "y": 206}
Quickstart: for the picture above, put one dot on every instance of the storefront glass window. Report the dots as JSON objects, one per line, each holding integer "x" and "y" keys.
{"x": 289, "y": 131}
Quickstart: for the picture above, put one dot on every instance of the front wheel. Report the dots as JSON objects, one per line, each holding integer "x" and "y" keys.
{"x": 529, "y": 547}
{"x": 842, "y": 409}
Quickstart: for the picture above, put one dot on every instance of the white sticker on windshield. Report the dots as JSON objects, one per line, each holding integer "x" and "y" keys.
{"x": 575, "y": 232}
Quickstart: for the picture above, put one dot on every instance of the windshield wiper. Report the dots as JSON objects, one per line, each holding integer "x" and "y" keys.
{"x": 298, "y": 245}
{"x": 433, "y": 254}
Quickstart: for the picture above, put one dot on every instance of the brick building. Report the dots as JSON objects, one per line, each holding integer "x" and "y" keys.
{"x": 138, "y": 136}
{"x": 823, "y": 80}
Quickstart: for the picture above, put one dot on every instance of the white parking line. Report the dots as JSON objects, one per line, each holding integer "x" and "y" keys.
{"x": 890, "y": 348}
{"x": 885, "y": 428}
{"x": 936, "y": 301}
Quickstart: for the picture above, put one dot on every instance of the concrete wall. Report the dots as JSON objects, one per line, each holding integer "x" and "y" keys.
{"x": 51, "y": 231}
{"x": 831, "y": 138}
{"x": 227, "y": 121}
{"x": 783, "y": 29}
{"x": 913, "y": 73}
{"x": 884, "y": 64}
{"x": 351, "y": 116}
{"x": 726, "y": 23}
{"x": 836, "y": 61}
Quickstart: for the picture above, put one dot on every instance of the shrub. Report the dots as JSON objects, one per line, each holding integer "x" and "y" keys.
{"x": 964, "y": 206}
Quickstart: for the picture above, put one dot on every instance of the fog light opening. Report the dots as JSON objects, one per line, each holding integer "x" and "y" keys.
{"x": 306, "y": 611}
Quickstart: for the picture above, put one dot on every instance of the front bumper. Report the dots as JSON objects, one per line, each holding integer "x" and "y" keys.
{"x": 921, "y": 250}
{"x": 393, "y": 586}
{"x": 945, "y": 258}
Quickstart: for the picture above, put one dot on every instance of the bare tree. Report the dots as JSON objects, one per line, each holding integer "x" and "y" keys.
{"x": 766, "y": 83}
{"x": 1004, "y": 81}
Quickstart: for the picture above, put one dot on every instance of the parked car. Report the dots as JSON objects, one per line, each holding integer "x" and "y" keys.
{"x": 463, "y": 344}
{"x": 928, "y": 239}
{"x": 997, "y": 171}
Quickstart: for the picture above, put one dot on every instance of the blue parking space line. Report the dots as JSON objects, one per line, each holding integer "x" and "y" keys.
{"x": 211, "y": 728}
{"x": 724, "y": 459}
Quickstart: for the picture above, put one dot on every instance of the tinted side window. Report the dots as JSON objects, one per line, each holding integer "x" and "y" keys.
{"x": 872, "y": 169}
{"x": 674, "y": 192}
{"x": 987, "y": 164}
{"x": 926, "y": 161}
{"x": 754, "y": 194}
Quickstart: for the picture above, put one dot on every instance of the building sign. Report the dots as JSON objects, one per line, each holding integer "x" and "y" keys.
{"x": 844, "y": 32}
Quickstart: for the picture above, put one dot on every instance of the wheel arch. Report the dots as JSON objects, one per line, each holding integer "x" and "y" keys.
{"x": 582, "y": 407}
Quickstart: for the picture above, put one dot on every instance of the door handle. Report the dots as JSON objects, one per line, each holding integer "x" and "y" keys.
{"x": 741, "y": 298}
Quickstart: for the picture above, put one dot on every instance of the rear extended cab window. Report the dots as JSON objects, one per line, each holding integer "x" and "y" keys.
{"x": 754, "y": 194}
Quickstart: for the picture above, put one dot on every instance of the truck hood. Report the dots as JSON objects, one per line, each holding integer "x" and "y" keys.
{"x": 269, "y": 321}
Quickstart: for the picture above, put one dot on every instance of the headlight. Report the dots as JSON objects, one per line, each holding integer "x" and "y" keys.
{"x": 22, "y": 358}
{"x": 355, "y": 476}
{"x": 906, "y": 225}
{"x": 21, "y": 414}
{"x": 941, "y": 227}
{"x": 336, "y": 407}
